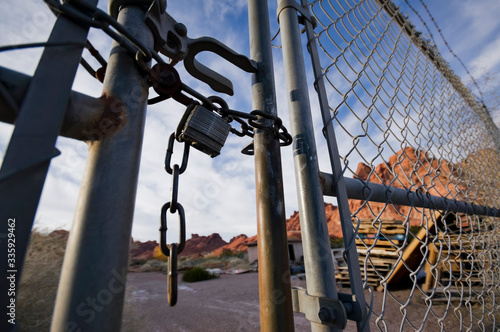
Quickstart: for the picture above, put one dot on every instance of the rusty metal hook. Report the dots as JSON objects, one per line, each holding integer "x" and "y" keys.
{"x": 171, "y": 40}
{"x": 215, "y": 80}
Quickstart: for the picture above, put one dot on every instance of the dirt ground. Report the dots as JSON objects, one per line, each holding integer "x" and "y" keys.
{"x": 231, "y": 303}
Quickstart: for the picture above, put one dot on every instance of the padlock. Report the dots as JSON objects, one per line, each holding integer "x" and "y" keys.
{"x": 204, "y": 130}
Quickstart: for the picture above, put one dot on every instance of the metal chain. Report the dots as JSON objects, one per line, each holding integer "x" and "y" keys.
{"x": 254, "y": 121}
{"x": 173, "y": 249}
{"x": 167, "y": 83}
{"x": 163, "y": 77}
{"x": 96, "y": 18}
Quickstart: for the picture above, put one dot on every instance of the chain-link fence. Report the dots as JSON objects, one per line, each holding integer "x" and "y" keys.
{"x": 407, "y": 122}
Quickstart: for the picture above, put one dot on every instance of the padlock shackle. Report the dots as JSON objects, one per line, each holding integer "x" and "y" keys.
{"x": 215, "y": 80}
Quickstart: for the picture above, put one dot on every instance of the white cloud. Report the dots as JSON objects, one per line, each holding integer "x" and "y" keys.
{"x": 218, "y": 194}
{"x": 487, "y": 61}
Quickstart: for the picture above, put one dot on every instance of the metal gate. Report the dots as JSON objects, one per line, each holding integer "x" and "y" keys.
{"x": 415, "y": 174}
{"x": 414, "y": 162}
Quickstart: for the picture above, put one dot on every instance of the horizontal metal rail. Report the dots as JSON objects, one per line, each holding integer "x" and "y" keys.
{"x": 82, "y": 113}
{"x": 433, "y": 54}
{"x": 375, "y": 192}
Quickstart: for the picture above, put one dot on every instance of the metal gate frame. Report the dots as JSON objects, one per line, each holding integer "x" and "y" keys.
{"x": 107, "y": 197}
{"x": 114, "y": 125}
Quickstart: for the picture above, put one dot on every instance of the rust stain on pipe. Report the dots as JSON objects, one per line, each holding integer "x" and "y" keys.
{"x": 110, "y": 119}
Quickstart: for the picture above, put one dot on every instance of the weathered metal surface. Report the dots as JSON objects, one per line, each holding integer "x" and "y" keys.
{"x": 375, "y": 192}
{"x": 84, "y": 115}
{"x": 172, "y": 40}
{"x": 320, "y": 310}
{"x": 32, "y": 143}
{"x": 274, "y": 274}
{"x": 350, "y": 254}
{"x": 106, "y": 203}
{"x": 316, "y": 242}
{"x": 205, "y": 131}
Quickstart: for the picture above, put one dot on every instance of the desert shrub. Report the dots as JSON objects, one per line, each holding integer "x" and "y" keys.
{"x": 39, "y": 281}
{"x": 158, "y": 255}
{"x": 153, "y": 265}
{"x": 337, "y": 242}
{"x": 229, "y": 253}
{"x": 197, "y": 274}
{"x": 237, "y": 262}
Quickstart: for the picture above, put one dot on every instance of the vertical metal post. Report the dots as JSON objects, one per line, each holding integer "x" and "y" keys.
{"x": 91, "y": 290}
{"x": 315, "y": 238}
{"x": 31, "y": 147}
{"x": 274, "y": 273}
{"x": 339, "y": 184}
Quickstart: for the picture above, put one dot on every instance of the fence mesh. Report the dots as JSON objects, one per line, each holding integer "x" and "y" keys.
{"x": 405, "y": 120}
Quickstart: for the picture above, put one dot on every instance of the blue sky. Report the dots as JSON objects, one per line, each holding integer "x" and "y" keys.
{"x": 218, "y": 194}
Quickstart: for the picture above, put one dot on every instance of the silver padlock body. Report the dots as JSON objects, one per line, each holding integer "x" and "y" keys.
{"x": 205, "y": 131}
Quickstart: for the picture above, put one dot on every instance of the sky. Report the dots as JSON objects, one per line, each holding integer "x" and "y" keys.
{"x": 218, "y": 194}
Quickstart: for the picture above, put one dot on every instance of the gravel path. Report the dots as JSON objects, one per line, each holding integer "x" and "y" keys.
{"x": 231, "y": 303}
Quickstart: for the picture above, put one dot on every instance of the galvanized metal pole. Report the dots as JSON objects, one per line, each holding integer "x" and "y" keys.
{"x": 92, "y": 286}
{"x": 82, "y": 111}
{"x": 31, "y": 147}
{"x": 320, "y": 274}
{"x": 274, "y": 272}
{"x": 351, "y": 254}
{"x": 376, "y": 192}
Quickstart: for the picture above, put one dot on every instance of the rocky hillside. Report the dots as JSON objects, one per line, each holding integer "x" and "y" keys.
{"x": 202, "y": 244}
{"x": 237, "y": 243}
{"x": 408, "y": 168}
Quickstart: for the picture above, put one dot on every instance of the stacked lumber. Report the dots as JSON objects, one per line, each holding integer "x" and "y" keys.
{"x": 455, "y": 258}
{"x": 377, "y": 243}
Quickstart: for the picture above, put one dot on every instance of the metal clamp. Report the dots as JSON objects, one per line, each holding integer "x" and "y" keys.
{"x": 295, "y": 5}
{"x": 171, "y": 40}
{"x": 114, "y": 6}
{"x": 318, "y": 309}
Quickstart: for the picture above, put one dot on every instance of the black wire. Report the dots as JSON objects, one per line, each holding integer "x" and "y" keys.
{"x": 39, "y": 44}
{"x": 88, "y": 67}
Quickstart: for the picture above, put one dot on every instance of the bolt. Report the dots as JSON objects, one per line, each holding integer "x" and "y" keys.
{"x": 166, "y": 78}
{"x": 327, "y": 315}
{"x": 180, "y": 29}
{"x": 348, "y": 307}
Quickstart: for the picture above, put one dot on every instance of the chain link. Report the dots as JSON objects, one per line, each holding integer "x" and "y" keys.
{"x": 164, "y": 78}
{"x": 166, "y": 82}
{"x": 404, "y": 120}
{"x": 173, "y": 249}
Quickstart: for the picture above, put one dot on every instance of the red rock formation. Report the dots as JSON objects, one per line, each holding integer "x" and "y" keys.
{"x": 237, "y": 243}
{"x": 142, "y": 250}
{"x": 332, "y": 219}
{"x": 200, "y": 244}
{"x": 293, "y": 223}
{"x": 409, "y": 168}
